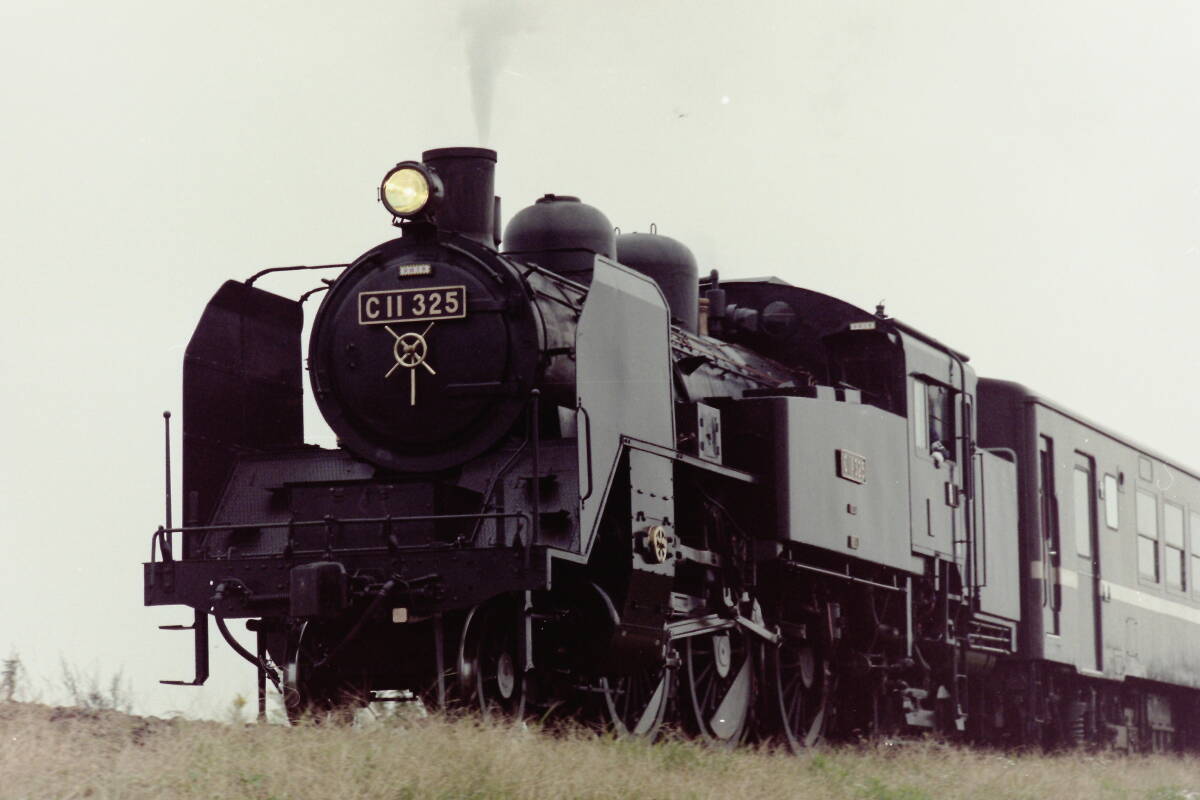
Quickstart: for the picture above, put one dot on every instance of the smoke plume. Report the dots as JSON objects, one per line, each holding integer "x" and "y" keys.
{"x": 490, "y": 29}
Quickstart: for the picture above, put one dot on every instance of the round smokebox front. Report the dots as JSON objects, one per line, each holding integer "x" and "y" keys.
{"x": 423, "y": 357}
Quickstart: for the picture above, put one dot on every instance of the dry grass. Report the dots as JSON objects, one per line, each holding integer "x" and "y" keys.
{"x": 73, "y": 753}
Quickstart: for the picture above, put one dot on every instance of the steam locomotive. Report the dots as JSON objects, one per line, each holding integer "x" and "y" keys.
{"x": 575, "y": 478}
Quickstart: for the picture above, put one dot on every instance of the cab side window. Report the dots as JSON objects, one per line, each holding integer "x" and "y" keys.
{"x": 933, "y": 417}
{"x": 941, "y": 418}
{"x": 920, "y": 413}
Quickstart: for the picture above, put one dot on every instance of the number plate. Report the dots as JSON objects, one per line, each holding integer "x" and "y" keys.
{"x": 851, "y": 466}
{"x": 412, "y": 305}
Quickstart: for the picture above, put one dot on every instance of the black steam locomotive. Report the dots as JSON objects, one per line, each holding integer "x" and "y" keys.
{"x": 575, "y": 478}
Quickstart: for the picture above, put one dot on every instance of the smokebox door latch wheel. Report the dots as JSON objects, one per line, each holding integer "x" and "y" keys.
{"x": 411, "y": 350}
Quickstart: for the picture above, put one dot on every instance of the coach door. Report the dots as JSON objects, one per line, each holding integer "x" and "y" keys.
{"x": 1086, "y": 547}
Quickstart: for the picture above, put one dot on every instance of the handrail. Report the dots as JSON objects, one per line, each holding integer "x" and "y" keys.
{"x": 587, "y": 418}
{"x": 250, "y": 281}
{"x": 161, "y": 536}
{"x": 535, "y": 485}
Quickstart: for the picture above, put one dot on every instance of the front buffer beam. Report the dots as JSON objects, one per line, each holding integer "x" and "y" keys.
{"x": 426, "y": 581}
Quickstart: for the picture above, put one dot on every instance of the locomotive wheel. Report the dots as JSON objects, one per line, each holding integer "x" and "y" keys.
{"x": 309, "y": 691}
{"x": 635, "y": 705}
{"x": 797, "y": 692}
{"x": 490, "y": 664}
{"x": 629, "y": 703}
{"x": 718, "y": 680}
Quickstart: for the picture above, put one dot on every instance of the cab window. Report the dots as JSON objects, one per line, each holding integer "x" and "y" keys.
{"x": 933, "y": 417}
{"x": 920, "y": 414}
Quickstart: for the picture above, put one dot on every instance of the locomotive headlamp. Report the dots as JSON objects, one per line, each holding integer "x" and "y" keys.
{"x": 408, "y": 189}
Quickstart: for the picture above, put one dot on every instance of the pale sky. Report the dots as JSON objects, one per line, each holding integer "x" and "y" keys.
{"x": 1019, "y": 180}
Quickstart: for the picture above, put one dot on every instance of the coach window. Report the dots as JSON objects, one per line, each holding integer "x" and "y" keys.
{"x": 1112, "y": 509}
{"x": 1175, "y": 555}
{"x": 1147, "y": 528}
{"x": 1194, "y": 529}
{"x": 1145, "y": 468}
{"x": 1081, "y": 510}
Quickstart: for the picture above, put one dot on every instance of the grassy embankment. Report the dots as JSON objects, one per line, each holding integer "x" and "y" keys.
{"x": 74, "y": 753}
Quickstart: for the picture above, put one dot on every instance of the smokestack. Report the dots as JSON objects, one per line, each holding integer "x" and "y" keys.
{"x": 468, "y": 179}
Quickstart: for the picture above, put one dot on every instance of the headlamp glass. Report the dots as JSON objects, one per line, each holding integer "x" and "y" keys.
{"x": 405, "y": 191}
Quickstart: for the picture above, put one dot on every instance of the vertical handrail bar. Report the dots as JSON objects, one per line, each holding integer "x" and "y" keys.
{"x": 261, "y": 652}
{"x": 535, "y": 528}
{"x": 167, "y": 555}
